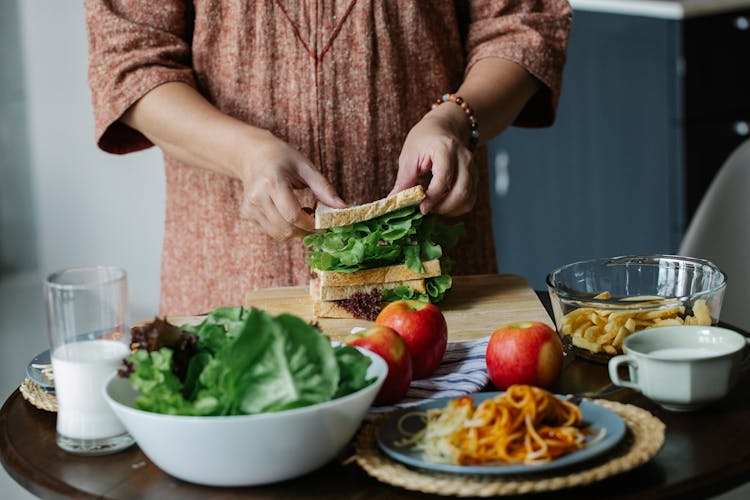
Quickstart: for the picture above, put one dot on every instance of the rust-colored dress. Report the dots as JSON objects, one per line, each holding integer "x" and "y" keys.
{"x": 343, "y": 81}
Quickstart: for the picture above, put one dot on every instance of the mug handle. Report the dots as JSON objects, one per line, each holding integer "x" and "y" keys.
{"x": 631, "y": 362}
{"x": 745, "y": 363}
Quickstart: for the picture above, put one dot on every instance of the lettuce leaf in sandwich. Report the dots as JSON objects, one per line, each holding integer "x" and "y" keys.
{"x": 403, "y": 236}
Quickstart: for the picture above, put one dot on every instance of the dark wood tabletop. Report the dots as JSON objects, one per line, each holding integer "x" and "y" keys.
{"x": 705, "y": 452}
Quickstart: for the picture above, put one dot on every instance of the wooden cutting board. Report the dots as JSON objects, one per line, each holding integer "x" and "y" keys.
{"x": 474, "y": 307}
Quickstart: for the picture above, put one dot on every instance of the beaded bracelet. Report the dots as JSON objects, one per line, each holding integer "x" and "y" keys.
{"x": 474, "y": 138}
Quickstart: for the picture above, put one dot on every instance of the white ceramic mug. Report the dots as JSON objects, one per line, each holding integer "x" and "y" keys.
{"x": 681, "y": 367}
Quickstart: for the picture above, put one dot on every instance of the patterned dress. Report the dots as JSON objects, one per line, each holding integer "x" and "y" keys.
{"x": 343, "y": 81}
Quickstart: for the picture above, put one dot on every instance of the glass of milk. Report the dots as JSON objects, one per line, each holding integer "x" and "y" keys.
{"x": 87, "y": 316}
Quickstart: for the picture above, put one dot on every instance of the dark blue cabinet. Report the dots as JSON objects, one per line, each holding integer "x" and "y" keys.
{"x": 616, "y": 174}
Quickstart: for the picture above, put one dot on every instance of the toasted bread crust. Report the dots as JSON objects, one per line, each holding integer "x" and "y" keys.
{"x": 388, "y": 274}
{"x": 319, "y": 292}
{"x": 323, "y": 309}
{"x": 327, "y": 217}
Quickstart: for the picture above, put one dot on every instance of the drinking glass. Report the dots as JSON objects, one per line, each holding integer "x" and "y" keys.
{"x": 87, "y": 310}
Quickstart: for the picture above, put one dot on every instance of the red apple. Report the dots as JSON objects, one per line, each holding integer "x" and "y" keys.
{"x": 423, "y": 328}
{"x": 389, "y": 345}
{"x": 527, "y": 352}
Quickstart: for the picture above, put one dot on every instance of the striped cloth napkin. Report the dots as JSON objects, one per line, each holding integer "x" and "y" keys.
{"x": 462, "y": 371}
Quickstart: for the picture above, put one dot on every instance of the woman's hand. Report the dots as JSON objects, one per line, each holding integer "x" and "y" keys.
{"x": 497, "y": 90}
{"x": 270, "y": 175}
{"x": 439, "y": 144}
{"x": 188, "y": 128}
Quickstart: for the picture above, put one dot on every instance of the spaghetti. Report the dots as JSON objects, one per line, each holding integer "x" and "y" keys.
{"x": 525, "y": 424}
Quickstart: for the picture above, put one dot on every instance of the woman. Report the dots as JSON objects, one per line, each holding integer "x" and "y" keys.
{"x": 263, "y": 107}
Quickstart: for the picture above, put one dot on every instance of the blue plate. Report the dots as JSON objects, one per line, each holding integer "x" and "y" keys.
{"x": 37, "y": 375}
{"x": 595, "y": 417}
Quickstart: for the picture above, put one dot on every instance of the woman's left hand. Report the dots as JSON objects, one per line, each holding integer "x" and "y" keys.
{"x": 439, "y": 144}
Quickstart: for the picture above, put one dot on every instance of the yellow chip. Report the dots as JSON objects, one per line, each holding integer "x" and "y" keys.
{"x": 597, "y": 319}
{"x": 599, "y": 330}
{"x": 630, "y": 325}
{"x": 701, "y": 312}
{"x": 670, "y": 321}
{"x": 621, "y": 334}
{"x": 585, "y": 344}
{"x": 661, "y": 313}
{"x": 591, "y": 333}
{"x": 609, "y": 349}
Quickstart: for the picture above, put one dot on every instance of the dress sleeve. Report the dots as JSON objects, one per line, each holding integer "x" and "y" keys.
{"x": 532, "y": 33}
{"x": 133, "y": 47}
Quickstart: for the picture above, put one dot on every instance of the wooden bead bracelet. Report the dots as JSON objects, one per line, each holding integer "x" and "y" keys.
{"x": 474, "y": 137}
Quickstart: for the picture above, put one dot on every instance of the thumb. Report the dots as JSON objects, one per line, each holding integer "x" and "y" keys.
{"x": 321, "y": 188}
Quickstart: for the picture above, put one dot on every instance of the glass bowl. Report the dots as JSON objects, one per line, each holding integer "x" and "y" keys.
{"x": 597, "y": 303}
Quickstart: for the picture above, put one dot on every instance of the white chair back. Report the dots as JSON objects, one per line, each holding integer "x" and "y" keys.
{"x": 720, "y": 232}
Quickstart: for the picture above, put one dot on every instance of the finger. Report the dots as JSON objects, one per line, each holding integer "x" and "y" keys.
{"x": 462, "y": 196}
{"x": 290, "y": 209}
{"x": 444, "y": 164}
{"x": 255, "y": 218}
{"x": 260, "y": 224}
{"x": 262, "y": 211}
{"x": 320, "y": 187}
{"x": 277, "y": 227}
{"x": 408, "y": 172}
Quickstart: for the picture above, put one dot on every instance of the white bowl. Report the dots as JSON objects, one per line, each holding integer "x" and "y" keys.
{"x": 245, "y": 450}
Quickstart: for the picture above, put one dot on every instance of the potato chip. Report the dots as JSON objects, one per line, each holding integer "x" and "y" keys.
{"x": 701, "y": 312}
{"x": 585, "y": 344}
{"x": 598, "y": 330}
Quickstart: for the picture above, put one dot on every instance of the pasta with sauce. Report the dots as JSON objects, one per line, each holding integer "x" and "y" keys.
{"x": 525, "y": 424}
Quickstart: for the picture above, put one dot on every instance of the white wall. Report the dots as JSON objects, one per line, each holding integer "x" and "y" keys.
{"x": 17, "y": 228}
{"x": 91, "y": 207}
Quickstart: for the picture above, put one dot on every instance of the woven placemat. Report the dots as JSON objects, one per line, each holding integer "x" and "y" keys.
{"x": 644, "y": 438}
{"x": 37, "y": 396}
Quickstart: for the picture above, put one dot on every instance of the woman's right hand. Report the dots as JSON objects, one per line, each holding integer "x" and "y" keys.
{"x": 188, "y": 128}
{"x": 270, "y": 174}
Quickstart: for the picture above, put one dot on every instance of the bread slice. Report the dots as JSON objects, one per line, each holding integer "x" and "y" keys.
{"x": 319, "y": 292}
{"x": 388, "y": 274}
{"x": 327, "y": 217}
{"x": 325, "y": 309}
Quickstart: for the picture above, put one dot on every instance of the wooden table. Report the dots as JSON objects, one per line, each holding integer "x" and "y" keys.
{"x": 705, "y": 453}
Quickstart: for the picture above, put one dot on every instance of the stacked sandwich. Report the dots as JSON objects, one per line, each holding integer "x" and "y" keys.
{"x": 364, "y": 256}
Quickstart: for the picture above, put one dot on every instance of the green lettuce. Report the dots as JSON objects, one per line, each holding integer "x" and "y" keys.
{"x": 248, "y": 362}
{"x": 352, "y": 370}
{"x": 435, "y": 288}
{"x": 404, "y": 236}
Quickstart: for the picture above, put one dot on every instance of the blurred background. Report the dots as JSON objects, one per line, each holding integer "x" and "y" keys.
{"x": 62, "y": 201}
{"x": 654, "y": 100}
